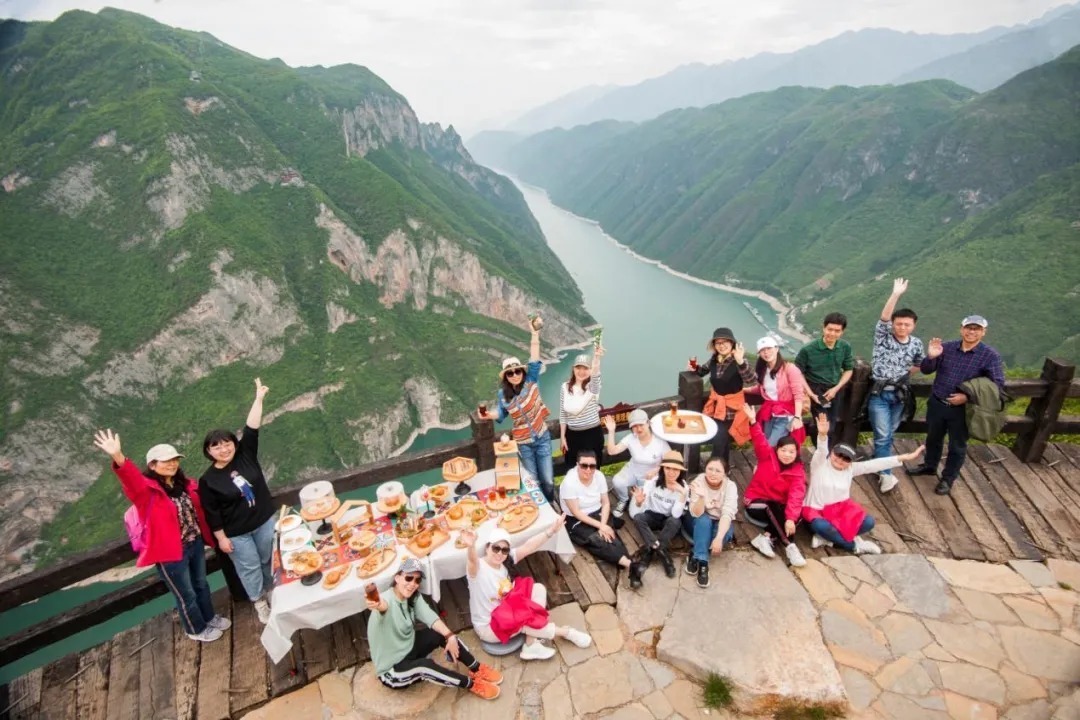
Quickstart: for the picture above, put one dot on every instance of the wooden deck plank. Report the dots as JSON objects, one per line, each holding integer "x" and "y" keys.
{"x": 996, "y": 511}
{"x": 547, "y": 572}
{"x": 344, "y": 645}
{"x": 1029, "y": 478}
{"x": 25, "y": 695}
{"x": 157, "y": 689}
{"x": 457, "y": 609}
{"x": 573, "y": 582}
{"x": 123, "y": 703}
{"x": 285, "y": 675}
{"x": 58, "y": 696}
{"x": 883, "y": 532}
{"x": 212, "y": 702}
{"x": 248, "y": 683}
{"x": 318, "y": 652}
{"x": 741, "y": 471}
{"x": 912, "y": 519}
{"x": 187, "y": 654}
{"x": 595, "y": 584}
{"x": 359, "y": 623}
{"x": 92, "y": 694}
{"x": 989, "y": 460}
{"x": 985, "y": 532}
{"x": 1058, "y": 468}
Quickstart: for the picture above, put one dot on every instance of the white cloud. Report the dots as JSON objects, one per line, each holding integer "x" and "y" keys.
{"x": 462, "y": 61}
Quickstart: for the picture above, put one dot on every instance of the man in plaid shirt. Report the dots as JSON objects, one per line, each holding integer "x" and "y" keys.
{"x": 955, "y": 362}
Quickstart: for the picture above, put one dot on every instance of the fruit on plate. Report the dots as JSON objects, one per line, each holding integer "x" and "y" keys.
{"x": 681, "y": 424}
{"x": 668, "y": 421}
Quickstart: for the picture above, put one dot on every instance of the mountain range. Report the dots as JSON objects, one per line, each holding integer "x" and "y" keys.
{"x": 821, "y": 196}
{"x": 179, "y": 217}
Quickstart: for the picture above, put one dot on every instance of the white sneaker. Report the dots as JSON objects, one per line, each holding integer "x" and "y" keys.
{"x": 537, "y": 650}
{"x": 794, "y": 555}
{"x": 262, "y": 609}
{"x": 818, "y": 542}
{"x": 620, "y": 508}
{"x": 866, "y": 547}
{"x": 209, "y": 634}
{"x": 579, "y": 638}
{"x": 763, "y": 545}
{"x": 220, "y": 623}
{"x": 887, "y": 481}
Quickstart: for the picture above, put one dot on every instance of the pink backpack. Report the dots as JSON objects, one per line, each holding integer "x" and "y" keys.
{"x": 135, "y": 528}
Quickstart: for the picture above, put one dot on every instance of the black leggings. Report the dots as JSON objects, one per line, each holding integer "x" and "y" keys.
{"x": 417, "y": 666}
{"x": 772, "y": 514}
{"x": 721, "y": 442}
{"x": 589, "y": 537}
{"x": 648, "y": 522}
{"x": 578, "y": 440}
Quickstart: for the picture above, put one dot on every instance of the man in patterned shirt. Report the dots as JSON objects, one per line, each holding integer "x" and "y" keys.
{"x": 897, "y": 354}
{"x": 955, "y": 362}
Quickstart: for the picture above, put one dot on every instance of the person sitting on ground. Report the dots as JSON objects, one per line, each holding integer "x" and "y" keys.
{"x": 646, "y": 450}
{"x": 579, "y": 409}
{"x": 710, "y": 517}
{"x": 827, "y": 365}
{"x": 174, "y": 531}
{"x": 782, "y": 390}
{"x": 728, "y": 374}
{"x": 584, "y": 498}
{"x": 658, "y": 507}
{"x": 239, "y": 508}
{"x": 775, "y": 491}
{"x": 835, "y": 519}
{"x": 490, "y": 585}
{"x": 400, "y": 652}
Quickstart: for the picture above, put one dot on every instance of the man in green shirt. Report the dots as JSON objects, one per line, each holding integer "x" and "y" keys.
{"x": 826, "y": 365}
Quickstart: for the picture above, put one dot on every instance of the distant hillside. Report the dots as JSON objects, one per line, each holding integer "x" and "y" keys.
{"x": 809, "y": 193}
{"x": 179, "y": 217}
{"x": 556, "y": 112}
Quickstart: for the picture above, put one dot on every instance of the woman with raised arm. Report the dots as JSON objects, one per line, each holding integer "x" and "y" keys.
{"x": 502, "y": 606}
{"x": 401, "y": 653}
{"x": 656, "y": 509}
{"x": 782, "y": 391}
{"x": 579, "y": 409}
{"x": 174, "y": 531}
{"x": 239, "y": 509}
{"x": 710, "y": 516}
{"x": 646, "y": 451}
{"x": 729, "y": 374}
{"x": 774, "y": 497}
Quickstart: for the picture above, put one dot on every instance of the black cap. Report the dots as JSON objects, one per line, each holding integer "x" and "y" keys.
{"x": 723, "y": 334}
{"x": 845, "y": 451}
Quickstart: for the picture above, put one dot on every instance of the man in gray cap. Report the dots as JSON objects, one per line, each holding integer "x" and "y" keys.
{"x": 955, "y": 362}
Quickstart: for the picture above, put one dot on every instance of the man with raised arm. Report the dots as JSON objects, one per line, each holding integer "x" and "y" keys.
{"x": 897, "y": 354}
{"x": 955, "y": 362}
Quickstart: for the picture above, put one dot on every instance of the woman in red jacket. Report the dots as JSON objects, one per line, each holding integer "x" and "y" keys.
{"x": 776, "y": 491}
{"x": 174, "y": 530}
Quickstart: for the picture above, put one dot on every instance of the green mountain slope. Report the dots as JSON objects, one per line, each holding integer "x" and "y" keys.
{"x": 179, "y": 217}
{"x": 807, "y": 193}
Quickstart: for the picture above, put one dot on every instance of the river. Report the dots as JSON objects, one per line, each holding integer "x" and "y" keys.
{"x": 653, "y": 322}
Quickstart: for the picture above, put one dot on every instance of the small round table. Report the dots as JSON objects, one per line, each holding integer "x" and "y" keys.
{"x": 656, "y": 423}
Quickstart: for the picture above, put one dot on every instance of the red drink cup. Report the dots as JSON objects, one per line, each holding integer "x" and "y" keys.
{"x": 371, "y": 592}
{"x": 693, "y": 362}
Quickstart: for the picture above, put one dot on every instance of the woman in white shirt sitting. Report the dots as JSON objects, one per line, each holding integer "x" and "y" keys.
{"x": 490, "y": 580}
{"x": 658, "y": 507}
{"x": 709, "y": 518}
{"x": 646, "y": 450}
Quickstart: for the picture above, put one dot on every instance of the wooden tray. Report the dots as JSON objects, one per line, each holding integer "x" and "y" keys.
{"x": 362, "y": 540}
{"x": 695, "y": 425}
{"x": 496, "y": 504}
{"x": 371, "y": 567}
{"x": 519, "y": 517}
{"x": 438, "y": 537}
{"x": 322, "y": 515}
{"x": 305, "y": 570}
{"x": 342, "y": 572}
{"x": 386, "y": 511}
{"x": 467, "y": 505}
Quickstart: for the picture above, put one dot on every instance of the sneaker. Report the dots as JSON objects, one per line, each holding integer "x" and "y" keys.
{"x": 488, "y": 674}
{"x": 220, "y": 623}
{"x": 818, "y": 542}
{"x": 944, "y": 487}
{"x": 764, "y": 545}
{"x": 866, "y": 547}
{"x": 667, "y": 562}
{"x": 691, "y": 565}
{"x": 262, "y": 609}
{"x": 636, "y": 571}
{"x": 579, "y": 638}
{"x": 537, "y": 650}
{"x": 620, "y": 508}
{"x": 794, "y": 555}
{"x": 484, "y": 689}
{"x": 208, "y": 634}
{"x": 887, "y": 481}
{"x": 703, "y": 575}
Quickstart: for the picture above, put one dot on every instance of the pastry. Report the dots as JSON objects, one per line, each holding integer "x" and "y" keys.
{"x": 456, "y": 512}
{"x": 306, "y": 562}
{"x": 423, "y": 540}
{"x": 335, "y": 576}
{"x": 478, "y": 515}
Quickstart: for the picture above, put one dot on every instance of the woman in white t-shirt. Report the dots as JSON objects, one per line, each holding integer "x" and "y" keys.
{"x": 646, "y": 451}
{"x": 489, "y": 580}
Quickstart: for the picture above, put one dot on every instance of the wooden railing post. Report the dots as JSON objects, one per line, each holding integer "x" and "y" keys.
{"x": 483, "y": 434}
{"x": 1031, "y": 442}
{"x": 692, "y": 391}
{"x": 848, "y": 416}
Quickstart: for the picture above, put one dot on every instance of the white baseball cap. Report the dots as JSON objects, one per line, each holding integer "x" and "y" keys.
{"x": 162, "y": 452}
{"x": 767, "y": 342}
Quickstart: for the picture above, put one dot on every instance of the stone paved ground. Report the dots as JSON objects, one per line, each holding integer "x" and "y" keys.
{"x": 891, "y": 636}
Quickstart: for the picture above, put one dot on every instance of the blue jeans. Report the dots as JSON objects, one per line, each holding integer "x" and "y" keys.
{"x": 885, "y": 411}
{"x": 186, "y": 578}
{"x": 536, "y": 458}
{"x": 824, "y": 528}
{"x": 941, "y": 419}
{"x": 703, "y": 529}
{"x": 251, "y": 555}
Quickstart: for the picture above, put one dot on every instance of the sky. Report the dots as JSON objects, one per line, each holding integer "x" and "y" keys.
{"x": 478, "y": 64}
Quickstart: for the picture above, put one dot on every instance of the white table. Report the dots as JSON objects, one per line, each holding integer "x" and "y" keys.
{"x": 295, "y": 606}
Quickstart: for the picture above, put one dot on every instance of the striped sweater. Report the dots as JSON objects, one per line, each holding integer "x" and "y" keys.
{"x": 589, "y": 416}
{"x": 526, "y": 408}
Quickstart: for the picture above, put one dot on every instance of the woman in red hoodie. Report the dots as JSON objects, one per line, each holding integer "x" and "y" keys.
{"x": 776, "y": 491}
{"x": 174, "y": 530}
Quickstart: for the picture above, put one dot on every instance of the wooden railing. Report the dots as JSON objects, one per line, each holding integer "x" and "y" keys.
{"x": 1032, "y": 429}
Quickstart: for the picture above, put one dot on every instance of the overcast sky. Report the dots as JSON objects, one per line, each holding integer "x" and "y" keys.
{"x": 474, "y": 63}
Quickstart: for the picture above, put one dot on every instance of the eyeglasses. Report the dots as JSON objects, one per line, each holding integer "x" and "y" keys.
{"x": 412, "y": 578}
{"x": 501, "y": 549}
{"x": 515, "y": 371}
{"x": 587, "y": 466}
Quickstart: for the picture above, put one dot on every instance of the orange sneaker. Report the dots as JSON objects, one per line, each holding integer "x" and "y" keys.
{"x": 488, "y": 674}
{"x": 484, "y": 689}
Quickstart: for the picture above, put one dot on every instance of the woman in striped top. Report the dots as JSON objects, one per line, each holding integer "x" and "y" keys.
{"x": 579, "y": 409}
{"x": 519, "y": 398}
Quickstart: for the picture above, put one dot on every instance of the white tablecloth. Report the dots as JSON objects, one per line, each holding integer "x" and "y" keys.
{"x": 295, "y": 606}
{"x": 657, "y": 425}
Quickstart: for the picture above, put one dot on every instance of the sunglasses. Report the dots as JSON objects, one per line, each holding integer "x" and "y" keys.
{"x": 412, "y": 578}
{"x": 501, "y": 549}
{"x": 587, "y": 466}
{"x": 515, "y": 371}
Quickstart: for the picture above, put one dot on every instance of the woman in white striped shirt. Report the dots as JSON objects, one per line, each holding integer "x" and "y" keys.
{"x": 579, "y": 409}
